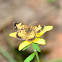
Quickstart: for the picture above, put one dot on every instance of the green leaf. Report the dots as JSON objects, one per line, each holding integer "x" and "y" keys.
{"x": 10, "y": 59}
{"x": 51, "y": 0}
{"x": 36, "y": 47}
{"x": 29, "y": 58}
{"x": 26, "y": 47}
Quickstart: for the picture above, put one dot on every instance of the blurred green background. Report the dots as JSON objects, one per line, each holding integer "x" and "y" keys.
{"x": 31, "y": 12}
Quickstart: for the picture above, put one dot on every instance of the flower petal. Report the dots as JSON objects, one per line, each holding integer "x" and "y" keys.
{"x": 46, "y": 28}
{"x": 13, "y": 34}
{"x": 39, "y": 41}
{"x": 35, "y": 40}
{"x": 24, "y": 44}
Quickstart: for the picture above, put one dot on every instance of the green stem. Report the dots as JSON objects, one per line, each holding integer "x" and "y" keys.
{"x": 37, "y": 56}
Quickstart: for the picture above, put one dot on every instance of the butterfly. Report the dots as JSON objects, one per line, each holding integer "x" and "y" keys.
{"x": 25, "y": 32}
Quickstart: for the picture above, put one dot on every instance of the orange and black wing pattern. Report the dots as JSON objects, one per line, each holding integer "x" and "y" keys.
{"x": 25, "y": 32}
{"x": 19, "y": 26}
{"x": 38, "y": 28}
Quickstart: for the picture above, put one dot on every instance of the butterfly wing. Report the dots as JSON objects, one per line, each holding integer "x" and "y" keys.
{"x": 38, "y": 28}
{"x": 25, "y": 32}
{"x": 26, "y": 35}
{"x": 31, "y": 36}
{"x": 17, "y": 25}
{"x": 21, "y": 34}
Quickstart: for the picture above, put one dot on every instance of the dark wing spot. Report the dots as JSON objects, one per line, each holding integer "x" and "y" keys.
{"x": 41, "y": 29}
{"x": 14, "y": 25}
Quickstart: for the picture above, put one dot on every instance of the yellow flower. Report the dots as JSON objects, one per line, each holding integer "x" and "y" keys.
{"x": 36, "y": 40}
